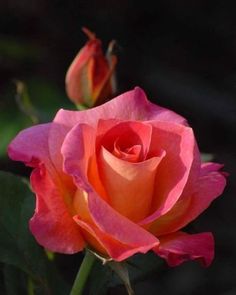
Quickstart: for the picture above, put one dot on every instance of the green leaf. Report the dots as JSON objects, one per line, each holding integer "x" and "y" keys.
{"x": 17, "y": 245}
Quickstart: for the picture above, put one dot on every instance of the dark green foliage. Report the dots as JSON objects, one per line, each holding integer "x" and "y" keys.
{"x": 25, "y": 264}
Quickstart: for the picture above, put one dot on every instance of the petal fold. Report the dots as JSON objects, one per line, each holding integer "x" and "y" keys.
{"x": 118, "y": 227}
{"x": 173, "y": 172}
{"x": 52, "y": 223}
{"x": 129, "y": 186}
{"x": 31, "y": 145}
{"x": 79, "y": 161}
{"x": 208, "y": 187}
{"x": 132, "y": 105}
{"x": 108, "y": 245}
{"x": 179, "y": 247}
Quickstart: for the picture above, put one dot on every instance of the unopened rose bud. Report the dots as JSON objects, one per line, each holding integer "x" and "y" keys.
{"x": 89, "y": 77}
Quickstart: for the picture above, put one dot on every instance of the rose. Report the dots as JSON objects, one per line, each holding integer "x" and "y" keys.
{"x": 120, "y": 178}
{"x": 89, "y": 77}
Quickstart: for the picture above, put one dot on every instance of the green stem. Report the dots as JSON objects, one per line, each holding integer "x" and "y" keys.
{"x": 83, "y": 274}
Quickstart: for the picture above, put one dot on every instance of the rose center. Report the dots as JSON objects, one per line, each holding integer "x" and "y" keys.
{"x": 130, "y": 154}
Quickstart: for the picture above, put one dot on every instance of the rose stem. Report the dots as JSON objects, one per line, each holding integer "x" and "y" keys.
{"x": 83, "y": 274}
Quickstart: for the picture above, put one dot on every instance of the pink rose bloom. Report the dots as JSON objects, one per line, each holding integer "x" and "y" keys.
{"x": 121, "y": 178}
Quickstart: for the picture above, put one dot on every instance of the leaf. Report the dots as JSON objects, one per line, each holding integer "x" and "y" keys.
{"x": 17, "y": 245}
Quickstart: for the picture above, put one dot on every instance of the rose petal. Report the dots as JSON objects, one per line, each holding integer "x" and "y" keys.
{"x": 52, "y": 225}
{"x": 41, "y": 144}
{"x": 126, "y": 135}
{"x": 173, "y": 172}
{"x": 129, "y": 186}
{"x": 117, "y": 227}
{"x": 208, "y": 167}
{"x": 209, "y": 186}
{"x": 132, "y": 105}
{"x": 179, "y": 247}
{"x": 56, "y": 136}
{"x": 107, "y": 245}
{"x": 31, "y": 145}
{"x": 78, "y": 151}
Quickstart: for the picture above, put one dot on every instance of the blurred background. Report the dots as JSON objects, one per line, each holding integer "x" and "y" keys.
{"x": 182, "y": 53}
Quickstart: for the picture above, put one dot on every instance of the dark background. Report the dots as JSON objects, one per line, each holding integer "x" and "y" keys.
{"x": 182, "y": 53}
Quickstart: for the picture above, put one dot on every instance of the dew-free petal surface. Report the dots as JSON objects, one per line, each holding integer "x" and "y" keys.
{"x": 124, "y": 136}
{"x": 78, "y": 151}
{"x": 109, "y": 246}
{"x": 31, "y": 145}
{"x": 179, "y": 247}
{"x": 52, "y": 223}
{"x": 173, "y": 172}
{"x": 208, "y": 187}
{"x": 118, "y": 227}
{"x": 131, "y": 105}
{"x": 129, "y": 185}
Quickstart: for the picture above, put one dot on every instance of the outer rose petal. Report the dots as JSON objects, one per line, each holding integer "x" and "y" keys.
{"x": 208, "y": 187}
{"x": 173, "y": 172}
{"x": 179, "y": 247}
{"x": 77, "y": 150}
{"x": 209, "y": 167}
{"x": 31, "y": 145}
{"x": 56, "y": 136}
{"x": 52, "y": 225}
{"x": 132, "y": 105}
{"x": 115, "y": 249}
{"x": 119, "y": 228}
{"x": 40, "y": 144}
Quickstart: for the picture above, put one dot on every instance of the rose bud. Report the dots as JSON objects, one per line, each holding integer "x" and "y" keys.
{"x": 122, "y": 178}
{"x": 89, "y": 78}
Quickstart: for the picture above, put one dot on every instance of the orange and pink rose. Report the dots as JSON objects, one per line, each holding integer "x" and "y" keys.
{"x": 121, "y": 178}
